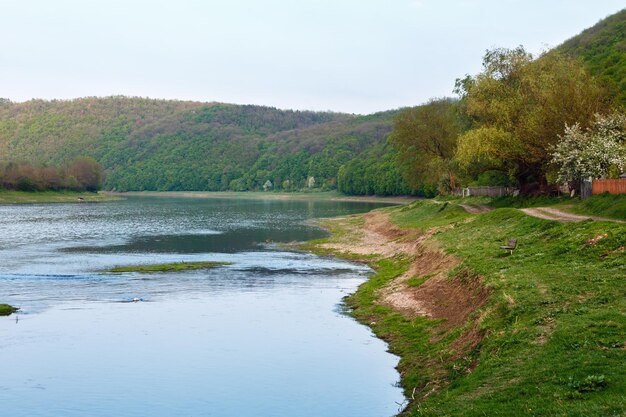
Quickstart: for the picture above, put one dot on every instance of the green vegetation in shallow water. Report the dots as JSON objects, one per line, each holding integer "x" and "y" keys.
{"x": 7, "y": 310}
{"x": 171, "y": 267}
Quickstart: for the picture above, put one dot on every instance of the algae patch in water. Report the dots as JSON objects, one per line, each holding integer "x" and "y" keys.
{"x": 170, "y": 267}
{"x": 7, "y": 310}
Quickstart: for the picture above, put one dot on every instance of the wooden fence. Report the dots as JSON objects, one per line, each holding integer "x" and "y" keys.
{"x": 617, "y": 186}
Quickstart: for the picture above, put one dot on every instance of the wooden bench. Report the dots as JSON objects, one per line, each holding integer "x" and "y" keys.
{"x": 510, "y": 246}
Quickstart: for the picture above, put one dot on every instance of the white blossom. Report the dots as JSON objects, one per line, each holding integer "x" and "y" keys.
{"x": 591, "y": 153}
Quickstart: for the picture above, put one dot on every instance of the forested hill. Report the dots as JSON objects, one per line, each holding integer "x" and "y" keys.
{"x": 603, "y": 48}
{"x": 176, "y": 145}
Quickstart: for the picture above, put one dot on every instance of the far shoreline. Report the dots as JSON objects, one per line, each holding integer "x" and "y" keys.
{"x": 259, "y": 195}
{"x": 11, "y": 197}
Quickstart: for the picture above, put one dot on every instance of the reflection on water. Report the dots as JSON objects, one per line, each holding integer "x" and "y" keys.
{"x": 260, "y": 337}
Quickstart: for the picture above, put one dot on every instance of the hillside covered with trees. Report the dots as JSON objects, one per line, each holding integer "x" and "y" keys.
{"x": 174, "y": 145}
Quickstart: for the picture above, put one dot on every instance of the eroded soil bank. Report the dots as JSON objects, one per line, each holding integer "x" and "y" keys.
{"x": 436, "y": 297}
{"x": 422, "y": 290}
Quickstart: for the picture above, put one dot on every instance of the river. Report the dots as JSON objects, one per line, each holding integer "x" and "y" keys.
{"x": 264, "y": 336}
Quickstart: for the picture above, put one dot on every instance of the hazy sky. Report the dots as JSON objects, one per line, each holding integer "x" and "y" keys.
{"x": 357, "y": 56}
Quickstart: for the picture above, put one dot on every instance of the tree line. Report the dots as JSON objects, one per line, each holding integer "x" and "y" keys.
{"x": 82, "y": 174}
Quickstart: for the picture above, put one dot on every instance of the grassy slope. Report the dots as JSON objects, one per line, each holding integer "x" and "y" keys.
{"x": 554, "y": 327}
{"x": 555, "y": 321}
{"x": 23, "y": 197}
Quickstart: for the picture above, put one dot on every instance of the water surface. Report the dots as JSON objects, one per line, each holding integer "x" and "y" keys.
{"x": 264, "y": 336}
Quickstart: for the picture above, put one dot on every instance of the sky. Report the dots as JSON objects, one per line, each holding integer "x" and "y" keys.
{"x": 354, "y": 56}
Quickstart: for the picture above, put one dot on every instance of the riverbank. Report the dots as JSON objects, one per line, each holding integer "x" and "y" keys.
{"x": 483, "y": 332}
{"x": 259, "y": 195}
{"x": 27, "y": 197}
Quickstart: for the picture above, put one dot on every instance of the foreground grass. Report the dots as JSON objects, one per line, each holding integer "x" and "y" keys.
{"x": 551, "y": 339}
{"x": 24, "y": 197}
{"x": 171, "y": 267}
{"x": 555, "y": 327}
{"x": 7, "y": 310}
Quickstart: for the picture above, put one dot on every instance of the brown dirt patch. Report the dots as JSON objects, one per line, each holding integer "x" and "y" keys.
{"x": 379, "y": 236}
{"x": 452, "y": 299}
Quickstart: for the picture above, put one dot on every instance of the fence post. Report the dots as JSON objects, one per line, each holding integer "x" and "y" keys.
{"x": 586, "y": 187}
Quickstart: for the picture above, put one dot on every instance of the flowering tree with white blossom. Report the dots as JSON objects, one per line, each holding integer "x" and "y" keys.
{"x": 581, "y": 154}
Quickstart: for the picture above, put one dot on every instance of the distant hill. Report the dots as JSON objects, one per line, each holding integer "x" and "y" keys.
{"x": 603, "y": 48}
{"x": 149, "y": 144}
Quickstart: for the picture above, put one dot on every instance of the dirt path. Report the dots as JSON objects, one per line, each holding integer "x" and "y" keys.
{"x": 550, "y": 213}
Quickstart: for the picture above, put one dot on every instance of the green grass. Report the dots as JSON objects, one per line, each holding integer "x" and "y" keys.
{"x": 170, "y": 267}
{"x": 7, "y": 310}
{"x": 555, "y": 322}
{"x": 424, "y": 214}
{"x": 25, "y": 197}
{"x": 554, "y": 327}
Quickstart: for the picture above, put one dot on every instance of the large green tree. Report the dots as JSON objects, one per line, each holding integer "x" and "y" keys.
{"x": 518, "y": 107}
{"x": 425, "y": 140}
